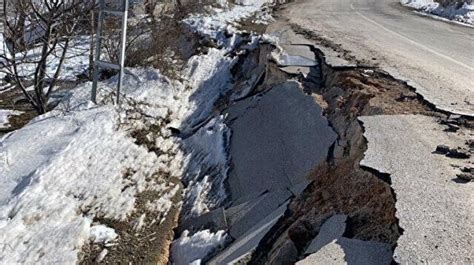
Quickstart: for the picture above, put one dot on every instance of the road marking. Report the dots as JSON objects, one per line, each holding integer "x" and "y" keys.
{"x": 360, "y": 8}
{"x": 416, "y": 43}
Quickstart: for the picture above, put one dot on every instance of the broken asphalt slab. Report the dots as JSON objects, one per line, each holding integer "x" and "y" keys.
{"x": 277, "y": 138}
{"x": 330, "y": 247}
{"x": 434, "y": 210}
{"x": 350, "y": 251}
{"x": 250, "y": 240}
{"x": 333, "y": 228}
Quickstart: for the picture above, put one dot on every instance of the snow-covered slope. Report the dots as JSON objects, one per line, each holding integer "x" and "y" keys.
{"x": 463, "y": 14}
{"x": 78, "y": 164}
{"x": 60, "y": 172}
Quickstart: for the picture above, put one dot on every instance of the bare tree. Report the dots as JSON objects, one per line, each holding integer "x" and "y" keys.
{"x": 38, "y": 34}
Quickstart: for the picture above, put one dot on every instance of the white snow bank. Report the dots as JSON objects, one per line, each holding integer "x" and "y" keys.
{"x": 210, "y": 77}
{"x": 192, "y": 249}
{"x": 5, "y": 115}
{"x": 220, "y": 23}
{"x": 68, "y": 166}
{"x": 102, "y": 234}
{"x": 77, "y": 162}
{"x": 464, "y": 14}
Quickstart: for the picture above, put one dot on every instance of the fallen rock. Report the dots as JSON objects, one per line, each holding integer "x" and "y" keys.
{"x": 442, "y": 149}
{"x": 452, "y": 128}
{"x": 459, "y": 153}
{"x": 470, "y": 143}
{"x": 466, "y": 176}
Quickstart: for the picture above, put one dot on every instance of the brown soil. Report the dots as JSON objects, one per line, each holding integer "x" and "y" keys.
{"x": 9, "y": 100}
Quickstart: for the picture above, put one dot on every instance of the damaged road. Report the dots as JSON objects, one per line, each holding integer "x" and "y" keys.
{"x": 306, "y": 182}
{"x": 389, "y": 189}
{"x": 433, "y": 56}
{"x": 300, "y": 157}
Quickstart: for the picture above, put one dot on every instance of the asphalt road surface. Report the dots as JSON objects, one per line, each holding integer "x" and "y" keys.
{"x": 434, "y": 56}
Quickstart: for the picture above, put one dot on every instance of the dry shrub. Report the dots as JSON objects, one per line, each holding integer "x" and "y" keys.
{"x": 158, "y": 40}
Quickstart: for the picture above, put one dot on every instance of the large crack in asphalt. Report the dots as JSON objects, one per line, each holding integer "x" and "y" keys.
{"x": 341, "y": 185}
{"x": 336, "y": 184}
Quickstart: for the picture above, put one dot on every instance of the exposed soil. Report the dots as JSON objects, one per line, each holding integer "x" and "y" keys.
{"x": 13, "y": 99}
{"x": 148, "y": 245}
{"x": 10, "y": 99}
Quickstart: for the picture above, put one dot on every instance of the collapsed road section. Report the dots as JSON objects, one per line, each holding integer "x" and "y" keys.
{"x": 389, "y": 188}
{"x": 306, "y": 181}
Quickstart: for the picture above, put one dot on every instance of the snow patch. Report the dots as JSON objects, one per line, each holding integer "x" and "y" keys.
{"x": 68, "y": 166}
{"x": 193, "y": 249}
{"x": 221, "y": 22}
{"x": 102, "y": 234}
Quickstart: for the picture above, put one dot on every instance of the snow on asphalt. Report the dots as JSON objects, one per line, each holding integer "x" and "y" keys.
{"x": 78, "y": 162}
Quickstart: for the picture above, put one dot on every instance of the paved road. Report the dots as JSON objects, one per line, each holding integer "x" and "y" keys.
{"x": 434, "y": 208}
{"x": 435, "y": 57}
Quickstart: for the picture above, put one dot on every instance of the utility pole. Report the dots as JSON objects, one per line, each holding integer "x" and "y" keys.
{"x": 100, "y": 64}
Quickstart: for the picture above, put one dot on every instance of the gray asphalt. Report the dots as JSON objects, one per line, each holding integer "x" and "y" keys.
{"x": 434, "y": 210}
{"x": 435, "y": 57}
